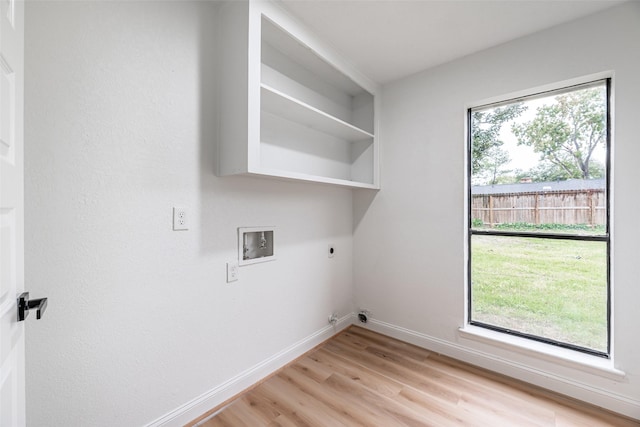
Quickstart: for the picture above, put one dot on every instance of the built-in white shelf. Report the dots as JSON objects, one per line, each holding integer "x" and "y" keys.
{"x": 282, "y": 174}
{"x": 280, "y": 104}
{"x": 290, "y": 106}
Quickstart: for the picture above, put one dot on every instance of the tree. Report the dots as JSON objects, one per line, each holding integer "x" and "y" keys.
{"x": 547, "y": 171}
{"x": 567, "y": 132}
{"x": 485, "y": 132}
{"x": 491, "y": 165}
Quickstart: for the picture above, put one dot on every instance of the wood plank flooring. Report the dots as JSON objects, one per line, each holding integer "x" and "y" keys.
{"x": 361, "y": 378}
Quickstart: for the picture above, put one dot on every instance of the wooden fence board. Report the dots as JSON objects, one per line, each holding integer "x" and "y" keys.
{"x": 546, "y": 207}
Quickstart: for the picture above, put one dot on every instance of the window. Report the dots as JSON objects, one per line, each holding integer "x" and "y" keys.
{"x": 539, "y": 217}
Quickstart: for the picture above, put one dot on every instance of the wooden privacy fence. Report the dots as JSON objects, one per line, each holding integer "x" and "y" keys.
{"x": 541, "y": 207}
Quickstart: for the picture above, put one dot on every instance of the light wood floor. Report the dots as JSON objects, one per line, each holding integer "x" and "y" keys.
{"x": 360, "y": 378}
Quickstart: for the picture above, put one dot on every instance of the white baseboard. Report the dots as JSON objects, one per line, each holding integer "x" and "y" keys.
{"x": 560, "y": 384}
{"x": 567, "y": 386}
{"x": 223, "y": 392}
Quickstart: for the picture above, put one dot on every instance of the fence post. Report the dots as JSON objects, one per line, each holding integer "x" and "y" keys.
{"x": 491, "y": 211}
{"x": 592, "y": 209}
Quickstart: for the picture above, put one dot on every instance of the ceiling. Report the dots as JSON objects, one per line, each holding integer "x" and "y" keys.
{"x": 390, "y": 39}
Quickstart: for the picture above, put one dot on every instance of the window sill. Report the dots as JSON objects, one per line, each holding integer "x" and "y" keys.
{"x": 562, "y": 356}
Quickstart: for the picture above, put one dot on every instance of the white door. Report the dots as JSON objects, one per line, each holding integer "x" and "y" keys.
{"x": 12, "y": 397}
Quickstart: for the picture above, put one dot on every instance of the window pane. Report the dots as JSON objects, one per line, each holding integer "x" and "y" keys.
{"x": 550, "y": 288}
{"x": 539, "y": 165}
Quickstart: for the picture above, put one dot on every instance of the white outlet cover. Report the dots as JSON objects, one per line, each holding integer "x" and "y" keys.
{"x": 180, "y": 219}
{"x": 232, "y": 271}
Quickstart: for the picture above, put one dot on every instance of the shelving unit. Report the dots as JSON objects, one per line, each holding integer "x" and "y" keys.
{"x": 290, "y": 107}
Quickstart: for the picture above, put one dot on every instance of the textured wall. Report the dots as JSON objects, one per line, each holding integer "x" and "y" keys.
{"x": 409, "y": 266}
{"x": 121, "y": 127}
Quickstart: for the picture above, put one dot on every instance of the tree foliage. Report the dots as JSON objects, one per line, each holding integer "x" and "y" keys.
{"x": 492, "y": 165}
{"x": 547, "y": 171}
{"x": 566, "y": 133}
{"x": 485, "y": 134}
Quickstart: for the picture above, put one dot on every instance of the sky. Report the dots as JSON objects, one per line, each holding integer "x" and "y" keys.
{"x": 523, "y": 157}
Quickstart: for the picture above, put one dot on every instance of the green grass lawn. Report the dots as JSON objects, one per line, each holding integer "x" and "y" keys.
{"x": 551, "y": 288}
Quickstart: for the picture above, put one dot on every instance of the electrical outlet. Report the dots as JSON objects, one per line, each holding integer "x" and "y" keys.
{"x": 180, "y": 219}
{"x": 232, "y": 271}
{"x": 333, "y": 318}
{"x": 363, "y": 315}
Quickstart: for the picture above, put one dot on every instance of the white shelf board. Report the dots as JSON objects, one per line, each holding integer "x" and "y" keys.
{"x": 282, "y": 174}
{"x": 280, "y": 104}
{"x": 307, "y": 57}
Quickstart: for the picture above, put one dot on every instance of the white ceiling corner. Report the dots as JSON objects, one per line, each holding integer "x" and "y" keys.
{"x": 390, "y": 39}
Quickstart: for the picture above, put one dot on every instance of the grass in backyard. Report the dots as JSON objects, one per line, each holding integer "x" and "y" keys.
{"x": 555, "y": 289}
{"x": 583, "y": 229}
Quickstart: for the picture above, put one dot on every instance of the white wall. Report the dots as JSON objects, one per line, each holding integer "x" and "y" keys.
{"x": 409, "y": 240}
{"x": 119, "y": 128}
{"x": 120, "y": 102}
